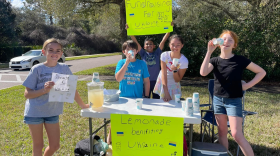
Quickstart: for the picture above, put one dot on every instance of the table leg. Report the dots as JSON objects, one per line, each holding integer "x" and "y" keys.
{"x": 105, "y": 130}
{"x": 90, "y": 137}
{"x": 190, "y": 139}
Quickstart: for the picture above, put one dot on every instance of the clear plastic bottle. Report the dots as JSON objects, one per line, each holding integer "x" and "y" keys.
{"x": 218, "y": 41}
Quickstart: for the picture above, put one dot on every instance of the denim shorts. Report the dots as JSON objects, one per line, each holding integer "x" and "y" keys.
{"x": 39, "y": 120}
{"x": 228, "y": 106}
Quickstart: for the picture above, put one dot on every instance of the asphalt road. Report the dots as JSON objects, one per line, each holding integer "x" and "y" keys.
{"x": 10, "y": 78}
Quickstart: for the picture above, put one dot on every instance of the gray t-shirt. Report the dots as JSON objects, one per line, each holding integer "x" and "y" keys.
{"x": 153, "y": 62}
{"x": 39, "y": 106}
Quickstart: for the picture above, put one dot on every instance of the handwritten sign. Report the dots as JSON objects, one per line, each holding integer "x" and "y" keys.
{"x": 64, "y": 89}
{"x": 138, "y": 135}
{"x": 146, "y": 17}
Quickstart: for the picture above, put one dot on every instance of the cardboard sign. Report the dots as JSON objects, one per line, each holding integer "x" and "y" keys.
{"x": 146, "y": 17}
{"x": 138, "y": 135}
{"x": 64, "y": 89}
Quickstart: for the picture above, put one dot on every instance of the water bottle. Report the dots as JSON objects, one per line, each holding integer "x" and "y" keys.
{"x": 132, "y": 53}
{"x": 218, "y": 41}
{"x": 196, "y": 103}
{"x": 97, "y": 148}
{"x": 189, "y": 107}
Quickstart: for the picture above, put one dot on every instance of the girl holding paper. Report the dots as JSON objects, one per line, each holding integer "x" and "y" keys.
{"x": 168, "y": 81}
{"x": 39, "y": 112}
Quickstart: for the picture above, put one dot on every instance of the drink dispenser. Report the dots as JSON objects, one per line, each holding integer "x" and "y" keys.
{"x": 95, "y": 94}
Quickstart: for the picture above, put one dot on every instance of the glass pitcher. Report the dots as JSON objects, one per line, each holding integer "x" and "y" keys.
{"x": 95, "y": 94}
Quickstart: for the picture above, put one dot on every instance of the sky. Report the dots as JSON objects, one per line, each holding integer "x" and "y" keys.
{"x": 17, "y": 3}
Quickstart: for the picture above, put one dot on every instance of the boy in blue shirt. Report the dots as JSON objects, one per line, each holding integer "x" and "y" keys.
{"x": 131, "y": 73}
{"x": 152, "y": 58}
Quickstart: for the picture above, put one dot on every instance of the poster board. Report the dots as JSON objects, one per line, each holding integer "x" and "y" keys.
{"x": 64, "y": 89}
{"x": 147, "y": 17}
{"x": 138, "y": 135}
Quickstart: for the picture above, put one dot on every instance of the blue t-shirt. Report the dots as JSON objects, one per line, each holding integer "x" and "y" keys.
{"x": 153, "y": 62}
{"x": 36, "y": 79}
{"x": 132, "y": 83}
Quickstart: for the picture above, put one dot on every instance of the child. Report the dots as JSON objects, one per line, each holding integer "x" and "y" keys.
{"x": 168, "y": 81}
{"x": 152, "y": 58}
{"x": 227, "y": 100}
{"x": 131, "y": 73}
{"x": 38, "y": 111}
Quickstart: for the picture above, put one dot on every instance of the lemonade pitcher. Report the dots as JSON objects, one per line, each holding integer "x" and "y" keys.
{"x": 95, "y": 94}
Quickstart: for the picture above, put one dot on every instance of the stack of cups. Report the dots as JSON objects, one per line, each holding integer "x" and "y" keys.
{"x": 196, "y": 103}
{"x": 189, "y": 107}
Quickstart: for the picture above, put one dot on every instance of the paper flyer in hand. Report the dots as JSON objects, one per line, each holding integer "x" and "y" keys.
{"x": 64, "y": 89}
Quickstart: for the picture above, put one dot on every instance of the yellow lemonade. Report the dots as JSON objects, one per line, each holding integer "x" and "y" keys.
{"x": 96, "y": 98}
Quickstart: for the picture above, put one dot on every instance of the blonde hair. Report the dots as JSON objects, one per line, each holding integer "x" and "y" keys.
{"x": 51, "y": 40}
{"x": 233, "y": 35}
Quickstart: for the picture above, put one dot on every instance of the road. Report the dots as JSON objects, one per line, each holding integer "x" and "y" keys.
{"x": 10, "y": 78}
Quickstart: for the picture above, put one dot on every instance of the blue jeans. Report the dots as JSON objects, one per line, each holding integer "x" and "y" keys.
{"x": 39, "y": 120}
{"x": 228, "y": 106}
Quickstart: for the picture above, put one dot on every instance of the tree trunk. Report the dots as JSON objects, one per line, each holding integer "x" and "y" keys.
{"x": 122, "y": 23}
{"x": 51, "y": 20}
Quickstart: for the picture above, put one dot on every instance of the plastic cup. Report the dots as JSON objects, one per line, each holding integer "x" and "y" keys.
{"x": 175, "y": 62}
{"x": 139, "y": 103}
{"x": 132, "y": 53}
{"x": 183, "y": 105}
{"x": 189, "y": 107}
{"x": 177, "y": 98}
{"x": 218, "y": 41}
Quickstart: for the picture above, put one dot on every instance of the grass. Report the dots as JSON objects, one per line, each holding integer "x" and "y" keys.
{"x": 108, "y": 70}
{"x": 262, "y": 130}
{"x": 91, "y": 56}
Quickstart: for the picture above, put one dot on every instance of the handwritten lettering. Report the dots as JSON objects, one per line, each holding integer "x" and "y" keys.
{"x": 145, "y": 121}
{"x": 146, "y": 131}
{"x": 142, "y": 145}
{"x": 148, "y": 4}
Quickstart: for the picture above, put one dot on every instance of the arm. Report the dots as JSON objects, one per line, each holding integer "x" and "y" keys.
{"x": 207, "y": 67}
{"x": 80, "y": 102}
{"x": 260, "y": 73}
{"x": 135, "y": 40}
{"x": 120, "y": 74}
{"x": 147, "y": 86}
{"x": 179, "y": 75}
{"x": 165, "y": 37}
{"x": 164, "y": 76}
{"x": 167, "y": 96}
{"x": 30, "y": 93}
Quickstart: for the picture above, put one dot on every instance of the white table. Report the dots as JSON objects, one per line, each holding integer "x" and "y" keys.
{"x": 151, "y": 107}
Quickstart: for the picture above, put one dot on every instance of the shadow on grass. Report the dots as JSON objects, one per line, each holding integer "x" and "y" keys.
{"x": 258, "y": 149}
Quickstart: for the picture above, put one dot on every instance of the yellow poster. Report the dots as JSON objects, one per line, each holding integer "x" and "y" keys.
{"x": 147, "y": 17}
{"x": 139, "y": 135}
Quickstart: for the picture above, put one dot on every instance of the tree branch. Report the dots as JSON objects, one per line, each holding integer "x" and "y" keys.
{"x": 222, "y": 8}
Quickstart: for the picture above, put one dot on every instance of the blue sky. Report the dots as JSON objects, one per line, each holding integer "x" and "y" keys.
{"x": 17, "y": 3}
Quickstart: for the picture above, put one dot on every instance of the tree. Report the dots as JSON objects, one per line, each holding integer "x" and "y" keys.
{"x": 7, "y": 23}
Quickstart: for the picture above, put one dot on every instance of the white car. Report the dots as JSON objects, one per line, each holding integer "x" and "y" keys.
{"x": 29, "y": 59}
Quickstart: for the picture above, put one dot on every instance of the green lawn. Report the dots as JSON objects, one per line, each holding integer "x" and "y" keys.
{"x": 92, "y": 56}
{"x": 108, "y": 70}
{"x": 261, "y": 130}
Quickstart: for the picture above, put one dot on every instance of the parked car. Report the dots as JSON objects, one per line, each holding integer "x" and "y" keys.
{"x": 29, "y": 59}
